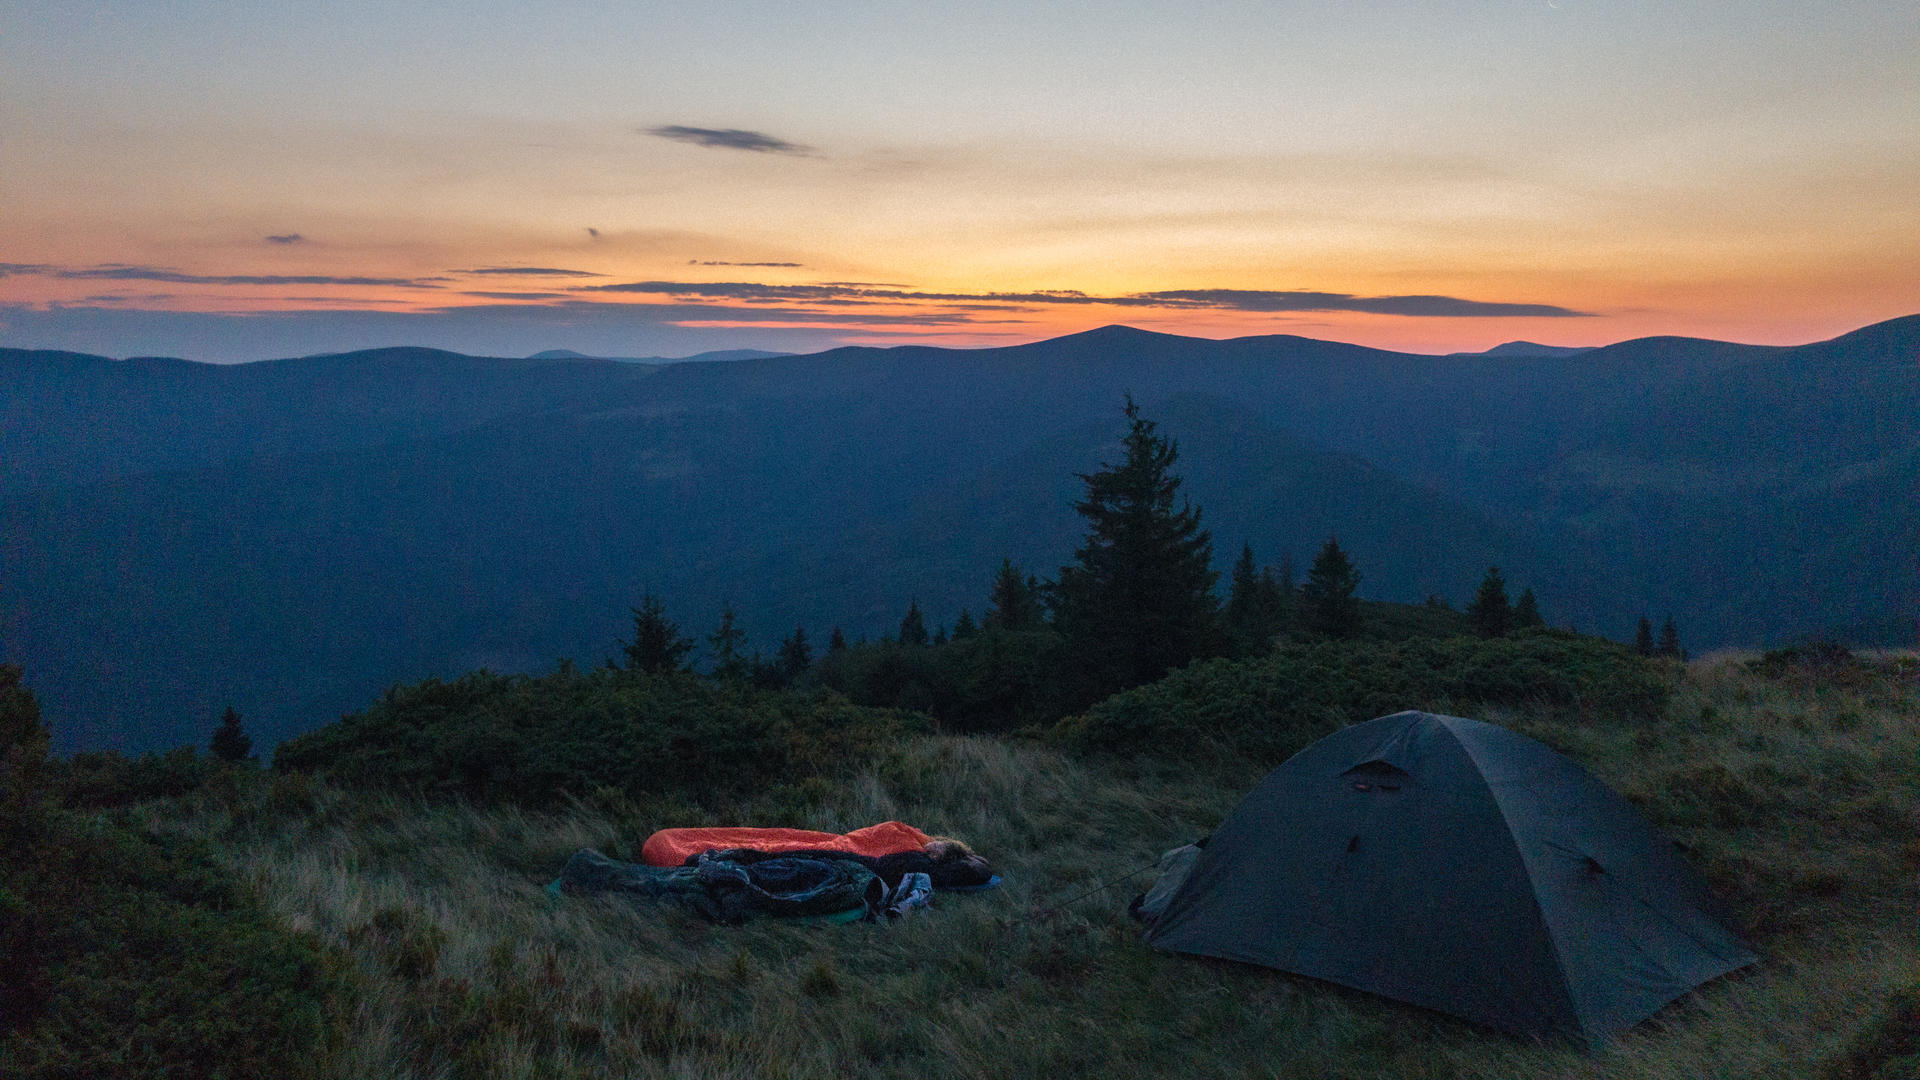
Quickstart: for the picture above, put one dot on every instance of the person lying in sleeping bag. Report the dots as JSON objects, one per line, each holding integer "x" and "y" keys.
{"x": 890, "y": 850}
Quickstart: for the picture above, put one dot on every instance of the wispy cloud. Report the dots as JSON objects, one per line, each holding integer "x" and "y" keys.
{"x": 758, "y": 142}
{"x": 515, "y": 295}
{"x": 1260, "y": 300}
{"x": 122, "y": 272}
{"x": 724, "y": 262}
{"x": 593, "y": 233}
{"x": 529, "y": 271}
{"x": 286, "y": 238}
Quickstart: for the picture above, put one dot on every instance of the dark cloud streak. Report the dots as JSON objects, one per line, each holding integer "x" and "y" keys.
{"x": 1257, "y": 300}
{"x": 286, "y": 238}
{"x": 757, "y": 142}
{"x": 528, "y": 271}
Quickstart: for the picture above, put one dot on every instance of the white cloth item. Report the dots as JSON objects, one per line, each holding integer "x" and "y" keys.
{"x": 914, "y": 891}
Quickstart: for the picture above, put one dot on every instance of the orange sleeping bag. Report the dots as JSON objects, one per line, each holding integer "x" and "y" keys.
{"x": 672, "y": 847}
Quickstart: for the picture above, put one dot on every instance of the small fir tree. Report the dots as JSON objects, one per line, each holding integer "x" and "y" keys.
{"x": 1256, "y": 605}
{"x": 1670, "y": 642}
{"x": 1491, "y": 614}
{"x": 964, "y": 626}
{"x": 729, "y": 662}
{"x": 796, "y": 656}
{"x": 836, "y": 642}
{"x": 1326, "y": 599}
{"x": 940, "y": 634}
{"x": 913, "y": 626}
{"x": 1643, "y": 637}
{"x": 230, "y": 742}
{"x": 1526, "y": 611}
{"x": 1014, "y": 603}
{"x": 657, "y": 647}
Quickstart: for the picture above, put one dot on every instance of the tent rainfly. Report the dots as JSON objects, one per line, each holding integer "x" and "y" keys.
{"x": 1459, "y": 866}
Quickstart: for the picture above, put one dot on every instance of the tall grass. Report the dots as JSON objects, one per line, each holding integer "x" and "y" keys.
{"x": 1795, "y": 796}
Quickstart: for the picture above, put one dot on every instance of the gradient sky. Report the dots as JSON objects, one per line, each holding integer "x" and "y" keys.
{"x": 234, "y": 181}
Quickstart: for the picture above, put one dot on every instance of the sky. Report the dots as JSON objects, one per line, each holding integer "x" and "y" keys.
{"x": 231, "y": 182}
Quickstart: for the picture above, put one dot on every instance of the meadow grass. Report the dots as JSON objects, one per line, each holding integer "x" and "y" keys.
{"x": 1796, "y": 797}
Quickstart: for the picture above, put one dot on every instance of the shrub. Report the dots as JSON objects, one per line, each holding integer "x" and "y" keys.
{"x": 1270, "y": 707}
{"x": 532, "y": 739}
{"x": 134, "y": 955}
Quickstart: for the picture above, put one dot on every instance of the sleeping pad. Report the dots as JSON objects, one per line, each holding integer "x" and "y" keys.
{"x": 724, "y": 891}
{"x": 675, "y": 847}
{"x": 955, "y": 871}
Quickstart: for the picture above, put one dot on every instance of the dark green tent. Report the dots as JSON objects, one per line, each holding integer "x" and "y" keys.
{"x": 1460, "y": 866}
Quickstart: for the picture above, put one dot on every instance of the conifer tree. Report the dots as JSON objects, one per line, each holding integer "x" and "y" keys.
{"x": 1669, "y": 642}
{"x": 729, "y": 662}
{"x": 1138, "y": 601}
{"x": 796, "y": 656}
{"x": 657, "y": 647}
{"x": 940, "y": 634}
{"x": 1526, "y": 611}
{"x": 1491, "y": 614}
{"x": 964, "y": 626}
{"x": 1256, "y": 605}
{"x": 913, "y": 627}
{"x": 1643, "y": 637}
{"x": 1014, "y": 603}
{"x": 230, "y": 742}
{"x": 836, "y": 642}
{"x": 1326, "y": 599}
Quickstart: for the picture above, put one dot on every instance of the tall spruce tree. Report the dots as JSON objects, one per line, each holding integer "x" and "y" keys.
{"x": 657, "y": 647}
{"x": 1327, "y": 600}
{"x": 1643, "y": 637}
{"x": 1491, "y": 614}
{"x": 230, "y": 741}
{"x": 1138, "y": 601}
{"x": 1014, "y": 603}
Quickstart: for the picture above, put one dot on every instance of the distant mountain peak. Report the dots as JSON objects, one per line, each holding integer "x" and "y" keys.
{"x": 1534, "y": 348}
{"x": 1118, "y": 332}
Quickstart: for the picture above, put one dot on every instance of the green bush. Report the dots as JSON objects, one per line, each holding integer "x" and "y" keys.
{"x": 133, "y": 955}
{"x": 1270, "y": 707}
{"x": 532, "y": 739}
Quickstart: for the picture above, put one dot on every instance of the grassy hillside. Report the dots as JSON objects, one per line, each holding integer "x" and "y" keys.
{"x": 1792, "y": 783}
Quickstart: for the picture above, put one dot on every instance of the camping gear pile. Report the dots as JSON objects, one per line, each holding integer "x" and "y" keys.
{"x": 728, "y": 875}
{"x": 1455, "y": 865}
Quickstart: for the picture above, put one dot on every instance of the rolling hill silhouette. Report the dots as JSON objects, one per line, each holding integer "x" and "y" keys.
{"x": 293, "y": 536}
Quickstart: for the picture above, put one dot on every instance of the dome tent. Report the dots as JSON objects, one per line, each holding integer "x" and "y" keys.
{"x": 1460, "y": 866}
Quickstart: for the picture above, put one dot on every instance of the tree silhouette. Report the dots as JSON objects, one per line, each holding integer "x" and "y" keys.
{"x": 913, "y": 626}
{"x": 1526, "y": 611}
{"x": 1491, "y": 614}
{"x": 1138, "y": 601}
{"x": 1643, "y": 637}
{"x": 796, "y": 656}
{"x": 1256, "y": 605}
{"x": 1326, "y": 599}
{"x": 657, "y": 647}
{"x": 729, "y": 661}
{"x": 1014, "y": 603}
{"x": 230, "y": 742}
{"x": 1669, "y": 642}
